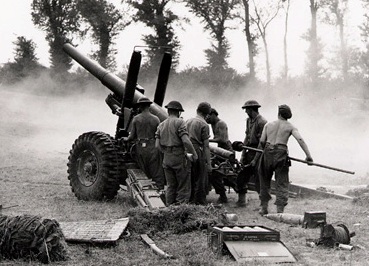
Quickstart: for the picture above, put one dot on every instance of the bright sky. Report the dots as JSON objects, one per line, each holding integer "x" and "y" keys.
{"x": 15, "y": 20}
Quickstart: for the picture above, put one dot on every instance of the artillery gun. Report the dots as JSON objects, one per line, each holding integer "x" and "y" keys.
{"x": 99, "y": 163}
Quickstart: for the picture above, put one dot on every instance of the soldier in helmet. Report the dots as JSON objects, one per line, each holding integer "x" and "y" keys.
{"x": 172, "y": 139}
{"x": 254, "y": 127}
{"x": 199, "y": 134}
{"x": 143, "y": 130}
{"x": 275, "y": 158}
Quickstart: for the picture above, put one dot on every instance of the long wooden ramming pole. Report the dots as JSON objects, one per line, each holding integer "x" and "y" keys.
{"x": 303, "y": 161}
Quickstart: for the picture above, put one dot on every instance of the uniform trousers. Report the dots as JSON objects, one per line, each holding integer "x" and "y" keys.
{"x": 177, "y": 174}
{"x": 150, "y": 160}
{"x": 274, "y": 160}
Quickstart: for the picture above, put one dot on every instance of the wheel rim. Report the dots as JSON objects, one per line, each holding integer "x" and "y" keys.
{"x": 88, "y": 167}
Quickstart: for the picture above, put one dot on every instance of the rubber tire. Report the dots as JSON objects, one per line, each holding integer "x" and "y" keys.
{"x": 106, "y": 164}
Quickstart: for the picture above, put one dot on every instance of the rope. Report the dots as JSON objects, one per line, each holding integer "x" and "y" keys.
{"x": 341, "y": 235}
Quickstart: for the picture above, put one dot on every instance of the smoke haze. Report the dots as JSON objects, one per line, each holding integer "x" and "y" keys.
{"x": 335, "y": 128}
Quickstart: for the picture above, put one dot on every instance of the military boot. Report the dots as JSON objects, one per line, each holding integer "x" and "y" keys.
{"x": 263, "y": 208}
{"x": 280, "y": 209}
{"x": 241, "y": 200}
{"x": 222, "y": 198}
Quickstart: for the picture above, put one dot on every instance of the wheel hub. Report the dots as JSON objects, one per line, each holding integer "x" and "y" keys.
{"x": 87, "y": 168}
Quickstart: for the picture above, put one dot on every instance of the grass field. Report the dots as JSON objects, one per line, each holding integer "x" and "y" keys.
{"x": 36, "y": 134}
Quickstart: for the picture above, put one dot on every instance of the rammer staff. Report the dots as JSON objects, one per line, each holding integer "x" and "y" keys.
{"x": 303, "y": 161}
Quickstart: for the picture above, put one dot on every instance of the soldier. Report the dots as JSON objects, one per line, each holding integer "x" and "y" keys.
{"x": 143, "y": 130}
{"x": 172, "y": 139}
{"x": 220, "y": 132}
{"x": 275, "y": 158}
{"x": 199, "y": 134}
{"x": 254, "y": 127}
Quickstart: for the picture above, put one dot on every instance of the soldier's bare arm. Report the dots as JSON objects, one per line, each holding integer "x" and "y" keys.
{"x": 157, "y": 145}
{"x": 303, "y": 145}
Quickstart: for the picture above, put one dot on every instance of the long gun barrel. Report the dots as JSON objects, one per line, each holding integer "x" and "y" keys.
{"x": 303, "y": 161}
{"x": 111, "y": 81}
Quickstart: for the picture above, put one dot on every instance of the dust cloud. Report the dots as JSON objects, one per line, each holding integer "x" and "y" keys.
{"x": 41, "y": 124}
{"x": 334, "y": 127}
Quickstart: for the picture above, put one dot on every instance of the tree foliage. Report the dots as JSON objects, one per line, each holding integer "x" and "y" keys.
{"x": 215, "y": 14}
{"x": 25, "y": 55}
{"x": 60, "y": 20}
{"x": 335, "y": 11}
{"x": 106, "y": 22}
{"x": 25, "y": 62}
{"x": 314, "y": 55}
{"x": 363, "y": 57}
{"x": 156, "y": 15}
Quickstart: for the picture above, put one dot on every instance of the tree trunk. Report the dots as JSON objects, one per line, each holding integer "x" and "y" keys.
{"x": 267, "y": 63}
{"x": 343, "y": 48}
{"x": 285, "y": 72}
{"x": 313, "y": 42}
{"x": 250, "y": 42}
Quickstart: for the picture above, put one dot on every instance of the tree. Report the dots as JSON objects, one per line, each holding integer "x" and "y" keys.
{"x": 286, "y": 8}
{"x": 215, "y": 14}
{"x": 25, "y": 56}
{"x": 25, "y": 61}
{"x": 364, "y": 55}
{"x": 156, "y": 15}
{"x": 314, "y": 52}
{"x": 106, "y": 22}
{"x": 250, "y": 37}
{"x": 338, "y": 9}
{"x": 265, "y": 12}
{"x": 60, "y": 20}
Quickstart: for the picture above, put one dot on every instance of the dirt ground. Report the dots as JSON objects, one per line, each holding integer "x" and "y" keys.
{"x": 36, "y": 134}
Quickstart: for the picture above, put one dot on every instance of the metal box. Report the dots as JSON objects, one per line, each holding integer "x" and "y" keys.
{"x": 314, "y": 219}
{"x": 217, "y": 235}
{"x": 248, "y": 243}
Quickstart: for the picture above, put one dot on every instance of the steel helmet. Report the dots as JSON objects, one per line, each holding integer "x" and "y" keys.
{"x": 251, "y": 103}
{"x": 144, "y": 100}
{"x": 204, "y": 108}
{"x": 175, "y": 105}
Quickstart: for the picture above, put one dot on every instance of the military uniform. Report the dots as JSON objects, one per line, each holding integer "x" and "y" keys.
{"x": 254, "y": 128}
{"x": 149, "y": 158}
{"x": 198, "y": 131}
{"x": 274, "y": 160}
{"x": 175, "y": 163}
